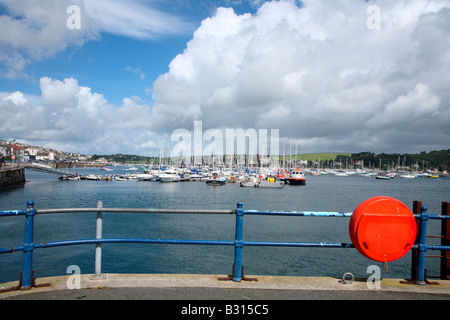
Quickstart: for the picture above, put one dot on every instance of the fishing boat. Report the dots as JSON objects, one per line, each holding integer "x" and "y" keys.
{"x": 297, "y": 178}
{"x": 216, "y": 179}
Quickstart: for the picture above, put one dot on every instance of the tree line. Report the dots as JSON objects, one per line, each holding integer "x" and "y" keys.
{"x": 423, "y": 160}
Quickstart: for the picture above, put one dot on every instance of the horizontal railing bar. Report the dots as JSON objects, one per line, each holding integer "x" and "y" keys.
{"x": 12, "y": 213}
{"x": 438, "y": 247}
{"x": 182, "y": 241}
{"x": 133, "y": 210}
{"x": 11, "y": 249}
{"x": 298, "y": 213}
{"x": 299, "y": 244}
{"x": 195, "y": 211}
{"x": 132, "y": 240}
{"x": 432, "y": 216}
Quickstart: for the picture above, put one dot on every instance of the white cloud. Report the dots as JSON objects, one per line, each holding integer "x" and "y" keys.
{"x": 33, "y": 31}
{"x": 132, "y": 18}
{"x": 17, "y": 98}
{"x": 69, "y": 115}
{"x": 136, "y": 71}
{"x": 316, "y": 72}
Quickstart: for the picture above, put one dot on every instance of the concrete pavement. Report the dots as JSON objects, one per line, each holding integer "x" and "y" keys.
{"x": 208, "y": 287}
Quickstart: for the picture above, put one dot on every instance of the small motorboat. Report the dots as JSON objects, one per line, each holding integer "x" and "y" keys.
{"x": 383, "y": 177}
{"x": 216, "y": 179}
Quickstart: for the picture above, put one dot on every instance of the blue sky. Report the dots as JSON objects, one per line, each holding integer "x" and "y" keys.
{"x": 339, "y": 76}
{"x": 118, "y": 65}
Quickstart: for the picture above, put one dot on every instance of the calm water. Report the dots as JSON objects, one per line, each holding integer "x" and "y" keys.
{"x": 322, "y": 193}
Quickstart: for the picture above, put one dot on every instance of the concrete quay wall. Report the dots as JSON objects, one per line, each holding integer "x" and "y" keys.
{"x": 12, "y": 177}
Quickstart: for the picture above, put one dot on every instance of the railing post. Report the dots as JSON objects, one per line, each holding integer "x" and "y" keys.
{"x": 422, "y": 246}
{"x": 98, "y": 246}
{"x": 238, "y": 243}
{"x": 28, "y": 247}
{"x": 445, "y": 241}
{"x": 416, "y": 210}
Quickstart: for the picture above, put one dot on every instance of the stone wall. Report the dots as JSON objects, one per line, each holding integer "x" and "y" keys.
{"x": 11, "y": 177}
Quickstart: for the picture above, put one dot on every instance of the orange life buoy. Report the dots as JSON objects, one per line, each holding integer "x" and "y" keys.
{"x": 382, "y": 229}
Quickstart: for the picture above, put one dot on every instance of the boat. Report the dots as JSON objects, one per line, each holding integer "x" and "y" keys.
{"x": 196, "y": 177}
{"x": 145, "y": 177}
{"x": 271, "y": 182}
{"x": 297, "y": 178}
{"x": 216, "y": 179}
{"x": 169, "y": 176}
{"x": 383, "y": 177}
{"x": 92, "y": 177}
{"x": 408, "y": 176}
{"x": 74, "y": 178}
{"x": 250, "y": 182}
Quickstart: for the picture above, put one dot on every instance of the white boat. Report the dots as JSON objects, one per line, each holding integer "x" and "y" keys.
{"x": 145, "y": 177}
{"x": 169, "y": 176}
{"x": 120, "y": 179}
{"x": 92, "y": 177}
{"x": 216, "y": 179}
{"x": 196, "y": 177}
{"x": 408, "y": 176}
{"x": 74, "y": 178}
{"x": 383, "y": 177}
{"x": 297, "y": 178}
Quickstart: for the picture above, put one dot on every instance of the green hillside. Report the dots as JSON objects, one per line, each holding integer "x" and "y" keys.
{"x": 322, "y": 156}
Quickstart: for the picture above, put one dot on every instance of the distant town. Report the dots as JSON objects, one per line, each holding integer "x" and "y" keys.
{"x": 16, "y": 151}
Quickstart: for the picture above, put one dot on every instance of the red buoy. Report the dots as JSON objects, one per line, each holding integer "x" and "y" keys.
{"x": 382, "y": 229}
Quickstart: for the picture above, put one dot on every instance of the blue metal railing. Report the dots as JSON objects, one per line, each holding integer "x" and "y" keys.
{"x": 238, "y": 243}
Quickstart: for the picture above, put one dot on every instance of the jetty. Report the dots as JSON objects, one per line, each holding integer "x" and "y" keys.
{"x": 47, "y": 169}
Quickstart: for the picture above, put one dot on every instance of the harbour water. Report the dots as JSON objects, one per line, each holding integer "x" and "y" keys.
{"x": 321, "y": 193}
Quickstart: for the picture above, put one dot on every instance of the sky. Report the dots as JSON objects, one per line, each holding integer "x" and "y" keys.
{"x": 105, "y": 77}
